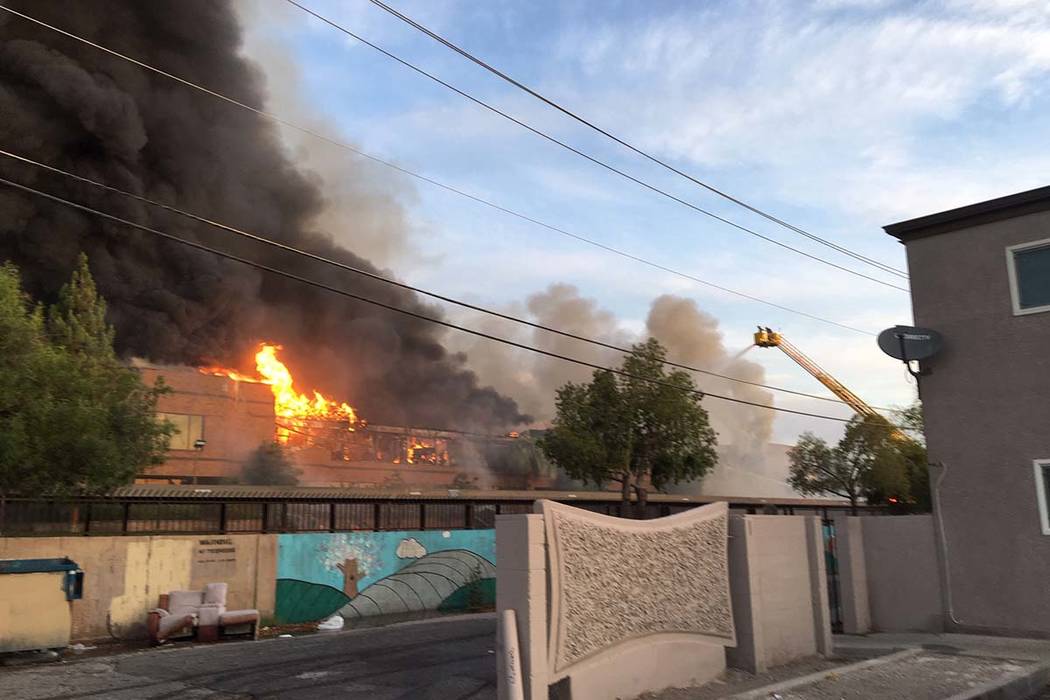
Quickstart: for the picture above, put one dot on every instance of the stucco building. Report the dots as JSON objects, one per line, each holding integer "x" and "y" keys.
{"x": 980, "y": 275}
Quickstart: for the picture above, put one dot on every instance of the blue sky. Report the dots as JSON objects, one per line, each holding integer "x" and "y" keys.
{"x": 837, "y": 115}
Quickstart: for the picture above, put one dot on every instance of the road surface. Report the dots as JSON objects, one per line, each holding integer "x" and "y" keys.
{"x": 443, "y": 659}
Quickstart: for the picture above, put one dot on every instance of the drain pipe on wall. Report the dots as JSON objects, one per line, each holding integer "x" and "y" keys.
{"x": 945, "y": 564}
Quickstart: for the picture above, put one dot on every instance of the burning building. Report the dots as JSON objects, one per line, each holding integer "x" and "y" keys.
{"x": 74, "y": 107}
{"x": 222, "y": 415}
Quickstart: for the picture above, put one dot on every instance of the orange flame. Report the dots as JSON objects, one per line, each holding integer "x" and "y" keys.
{"x": 288, "y": 404}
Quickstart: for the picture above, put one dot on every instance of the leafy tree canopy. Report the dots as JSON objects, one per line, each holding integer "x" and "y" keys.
{"x": 871, "y": 461}
{"x": 73, "y": 418}
{"x": 643, "y": 428}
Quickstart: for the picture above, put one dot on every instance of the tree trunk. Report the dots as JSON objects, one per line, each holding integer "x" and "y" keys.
{"x": 852, "y": 504}
{"x": 642, "y": 506}
{"x": 625, "y": 495}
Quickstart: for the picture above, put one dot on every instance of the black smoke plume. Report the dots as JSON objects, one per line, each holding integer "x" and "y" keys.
{"x": 70, "y": 105}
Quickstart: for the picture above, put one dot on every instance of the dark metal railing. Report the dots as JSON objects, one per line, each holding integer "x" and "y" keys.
{"x": 20, "y": 517}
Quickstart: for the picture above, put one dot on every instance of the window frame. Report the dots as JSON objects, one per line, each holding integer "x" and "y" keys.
{"x": 1011, "y": 269}
{"x": 1041, "y": 466}
{"x": 190, "y": 446}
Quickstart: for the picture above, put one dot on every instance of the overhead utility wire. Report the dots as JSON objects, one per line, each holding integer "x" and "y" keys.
{"x": 387, "y": 280}
{"x": 566, "y": 111}
{"x": 428, "y": 180}
{"x": 397, "y": 309}
{"x": 587, "y": 156}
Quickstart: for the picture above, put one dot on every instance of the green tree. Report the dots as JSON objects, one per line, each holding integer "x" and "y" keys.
{"x": 643, "y": 428}
{"x": 866, "y": 463}
{"x": 269, "y": 465}
{"x": 73, "y": 418}
{"x": 77, "y": 321}
{"x": 911, "y": 420}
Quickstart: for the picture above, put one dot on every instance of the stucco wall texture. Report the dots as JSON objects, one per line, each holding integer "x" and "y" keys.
{"x": 123, "y": 576}
{"x": 987, "y": 415}
{"x": 904, "y": 593}
{"x": 609, "y": 607}
{"x": 779, "y": 590}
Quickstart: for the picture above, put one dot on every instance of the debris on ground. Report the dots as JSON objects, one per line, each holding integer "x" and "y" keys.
{"x": 335, "y": 622}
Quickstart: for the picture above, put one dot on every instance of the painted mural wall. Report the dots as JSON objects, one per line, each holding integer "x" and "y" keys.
{"x": 360, "y": 574}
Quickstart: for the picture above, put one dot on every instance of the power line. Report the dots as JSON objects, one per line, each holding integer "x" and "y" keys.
{"x": 564, "y": 110}
{"x": 387, "y": 280}
{"x": 542, "y": 134}
{"x": 397, "y": 309}
{"x": 423, "y": 178}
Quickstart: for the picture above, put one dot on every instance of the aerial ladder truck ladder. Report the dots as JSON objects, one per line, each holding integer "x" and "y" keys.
{"x": 768, "y": 338}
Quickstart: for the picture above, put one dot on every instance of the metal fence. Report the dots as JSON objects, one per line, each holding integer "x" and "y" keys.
{"x": 150, "y": 516}
{"x": 831, "y": 566}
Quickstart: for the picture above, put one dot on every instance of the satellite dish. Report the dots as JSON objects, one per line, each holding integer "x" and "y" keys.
{"x": 909, "y": 343}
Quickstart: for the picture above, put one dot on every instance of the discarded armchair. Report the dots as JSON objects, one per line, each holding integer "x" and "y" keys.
{"x": 199, "y": 614}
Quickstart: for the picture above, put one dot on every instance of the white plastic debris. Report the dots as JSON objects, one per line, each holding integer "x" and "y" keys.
{"x": 335, "y": 622}
{"x": 284, "y": 636}
{"x": 79, "y": 648}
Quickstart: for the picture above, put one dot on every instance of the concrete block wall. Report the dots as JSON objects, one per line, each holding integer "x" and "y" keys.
{"x": 853, "y": 575}
{"x": 779, "y": 590}
{"x": 608, "y": 607}
{"x": 904, "y": 591}
{"x": 521, "y": 587}
{"x": 889, "y": 574}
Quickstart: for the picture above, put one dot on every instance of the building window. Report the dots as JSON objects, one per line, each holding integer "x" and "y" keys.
{"x": 1042, "y": 483}
{"x": 189, "y": 429}
{"x": 1029, "y": 268}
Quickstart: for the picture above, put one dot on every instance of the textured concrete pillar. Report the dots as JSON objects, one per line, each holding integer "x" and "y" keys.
{"x": 818, "y": 578}
{"x": 509, "y": 679}
{"x": 748, "y": 653}
{"x": 779, "y": 591}
{"x": 521, "y": 586}
{"x": 853, "y": 577}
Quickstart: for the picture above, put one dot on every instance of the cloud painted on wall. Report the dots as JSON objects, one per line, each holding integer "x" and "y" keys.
{"x": 410, "y": 549}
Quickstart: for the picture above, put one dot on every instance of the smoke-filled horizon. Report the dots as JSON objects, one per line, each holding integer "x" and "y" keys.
{"x": 749, "y": 464}
{"x": 71, "y": 106}
{"x": 690, "y": 335}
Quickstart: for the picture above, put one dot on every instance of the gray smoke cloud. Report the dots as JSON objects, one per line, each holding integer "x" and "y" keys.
{"x": 533, "y": 379}
{"x": 364, "y": 201}
{"x": 79, "y": 109}
{"x": 748, "y": 464}
{"x": 692, "y": 337}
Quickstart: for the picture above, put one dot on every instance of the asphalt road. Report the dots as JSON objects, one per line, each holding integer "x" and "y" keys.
{"x": 444, "y": 659}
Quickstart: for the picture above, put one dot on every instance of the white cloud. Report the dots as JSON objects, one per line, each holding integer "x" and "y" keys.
{"x": 410, "y": 549}
{"x": 825, "y": 105}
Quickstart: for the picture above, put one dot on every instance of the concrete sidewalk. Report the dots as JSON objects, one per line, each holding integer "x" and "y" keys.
{"x": 964, "y": 644}
{"x": 900, "y": 666}
{"x": 450, "y": 658}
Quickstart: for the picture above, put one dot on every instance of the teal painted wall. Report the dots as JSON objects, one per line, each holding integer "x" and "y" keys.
{"x": 390, "y": 573}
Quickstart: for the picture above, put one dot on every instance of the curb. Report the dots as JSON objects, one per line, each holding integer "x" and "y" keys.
{"x": 1026, "y": 683}
{"x": 766, "y": 691}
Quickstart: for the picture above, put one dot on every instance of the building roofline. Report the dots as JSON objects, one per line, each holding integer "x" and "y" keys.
{"x": 1007, "y": 207}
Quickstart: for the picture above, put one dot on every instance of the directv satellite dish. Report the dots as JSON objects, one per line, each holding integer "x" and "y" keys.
{"x": 908, "y": 343}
